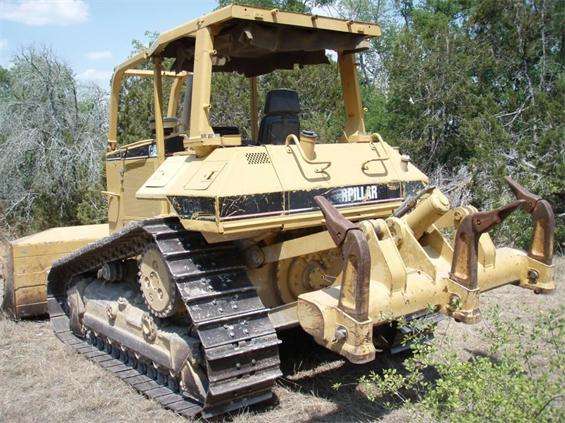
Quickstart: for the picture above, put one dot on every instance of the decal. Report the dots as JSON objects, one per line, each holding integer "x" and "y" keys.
{"x": 299, "y": 201}
{"x": 197, "y": 208}
{"x": 256, "y": 204}
{"x": 280, "y": 203}
{"x": 358, "y": 194}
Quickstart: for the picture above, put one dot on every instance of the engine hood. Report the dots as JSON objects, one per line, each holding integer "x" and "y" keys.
{"x": 274, "y": 180}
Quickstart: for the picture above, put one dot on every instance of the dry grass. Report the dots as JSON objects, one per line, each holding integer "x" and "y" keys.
{"x": 41, "y": 380}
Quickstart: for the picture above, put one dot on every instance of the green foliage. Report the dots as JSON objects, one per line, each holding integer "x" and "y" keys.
{"x": 300, "y": 6}
{"x": 520, "y": 376}
{"x": 4, "y": 82}
{"x": 322, "y": 110}
{"x": 375, "y": 103}
{"x": 136, "y": 106}
{"x": 480, "y": 83}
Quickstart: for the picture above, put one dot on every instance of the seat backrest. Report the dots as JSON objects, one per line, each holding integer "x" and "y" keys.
{"x": 281, "y": 117}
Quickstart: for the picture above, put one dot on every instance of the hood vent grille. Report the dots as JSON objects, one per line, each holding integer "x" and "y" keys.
{"x": 257, "y": 158}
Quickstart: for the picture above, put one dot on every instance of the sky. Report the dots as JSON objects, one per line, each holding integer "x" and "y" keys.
{"x": 92, "y": 36}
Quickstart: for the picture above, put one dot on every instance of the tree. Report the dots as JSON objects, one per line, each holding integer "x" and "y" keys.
{"x": 300, "y": 6}
{"x": 53, "y": 137}
{"x": 479, "y": 84}
{"x": 136, "y": 105}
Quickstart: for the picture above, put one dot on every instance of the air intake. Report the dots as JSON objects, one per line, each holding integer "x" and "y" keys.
{"x": 257, "y": 158}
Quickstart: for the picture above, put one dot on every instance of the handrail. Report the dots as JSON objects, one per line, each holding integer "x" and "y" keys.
{"x": 294, "y": 139}
{"x": 373, "y": 146}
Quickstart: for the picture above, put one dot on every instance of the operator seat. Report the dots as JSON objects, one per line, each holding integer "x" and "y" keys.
{"x": 281, "y": 117}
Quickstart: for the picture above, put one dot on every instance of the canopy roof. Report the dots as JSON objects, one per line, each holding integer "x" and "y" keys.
{"x": 255, "y": 41}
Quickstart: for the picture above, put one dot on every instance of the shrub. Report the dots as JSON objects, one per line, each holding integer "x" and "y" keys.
{"x": 519, "y": 378}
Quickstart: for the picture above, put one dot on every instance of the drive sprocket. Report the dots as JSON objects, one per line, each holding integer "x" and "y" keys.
{"x": 158, "y": 288}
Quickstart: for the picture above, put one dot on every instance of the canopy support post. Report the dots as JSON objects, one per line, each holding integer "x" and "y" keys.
{"x": 254, "y": 111}
{"x": 355, "y": 123}
{"x": 159, "y": 128}
{"x": 174, "y": 97}
{"x": 158, "y": 106}
{"x": 201, "y": 85}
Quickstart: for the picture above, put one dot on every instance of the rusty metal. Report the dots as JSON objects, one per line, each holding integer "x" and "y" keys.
{"x": 337, "y": 225}
{"x": 465, "y": 255}
{"x": 357, "y": 260}
{"x": 541, "y": 247}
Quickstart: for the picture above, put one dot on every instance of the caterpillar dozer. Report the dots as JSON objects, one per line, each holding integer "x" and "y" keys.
{"x": 217, "y": 241}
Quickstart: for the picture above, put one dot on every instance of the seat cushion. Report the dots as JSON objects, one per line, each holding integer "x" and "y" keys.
{"x": 281, "y": 117}
{"x": 275, "y": 128}
{"x": 282, "y": 102}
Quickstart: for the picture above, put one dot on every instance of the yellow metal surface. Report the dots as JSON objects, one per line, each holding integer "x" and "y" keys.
{"x": 200, "y": 106}
{"x": 124, "y": 178}
{"x": 263, "y": 15}
{"x": 355, "y": 124}
{"x": 30, "y": 260}
{"x": 306, "y": 273}
{"x": 411, "y": 272}
{"x": 158, "y": 102}
{"x": 156, "y": 285}
{"x": 241, "y": 171}
{"x": 280, "y": 168}
{"x": 174, "y": 97}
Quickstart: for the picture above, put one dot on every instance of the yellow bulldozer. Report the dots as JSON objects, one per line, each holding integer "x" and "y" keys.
{"x": 215, "y": 243}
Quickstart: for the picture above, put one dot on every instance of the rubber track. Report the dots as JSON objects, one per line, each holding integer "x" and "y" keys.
{"x": 239, "y": 342}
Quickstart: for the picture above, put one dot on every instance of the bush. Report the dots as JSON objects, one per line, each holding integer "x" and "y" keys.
{"x": 520, "y": 377}
{"x": 52, "y": 136}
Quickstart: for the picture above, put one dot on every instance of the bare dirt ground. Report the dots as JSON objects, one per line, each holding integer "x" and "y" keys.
{"x": 42, "y": 380}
